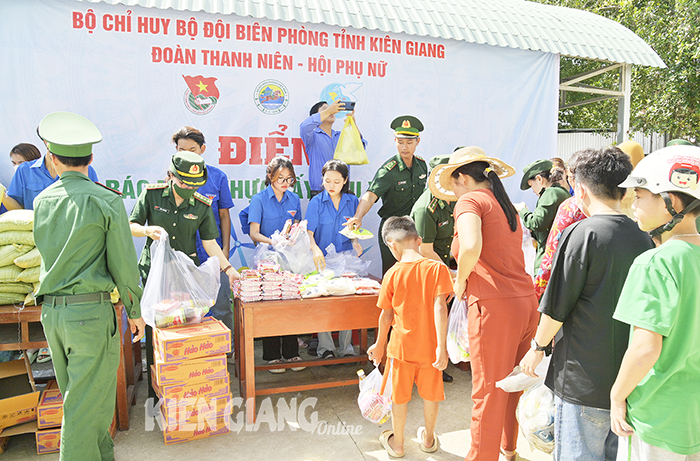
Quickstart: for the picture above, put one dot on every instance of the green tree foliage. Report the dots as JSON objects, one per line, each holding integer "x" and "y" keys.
{"x": 663, "y": 100}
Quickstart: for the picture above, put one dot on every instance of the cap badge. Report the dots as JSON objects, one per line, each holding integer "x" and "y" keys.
{"x": 406, "y": 124}
{"x": 194, "y": 169}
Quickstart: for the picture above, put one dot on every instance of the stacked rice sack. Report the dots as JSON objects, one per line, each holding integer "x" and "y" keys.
{"x": 20, "y": 261}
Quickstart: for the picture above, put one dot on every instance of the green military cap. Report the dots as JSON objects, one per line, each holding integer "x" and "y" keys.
{"x": 532, "y": 170}
{"x": 189, "y": 168}
{"x": 406, "y": 126}
{"x": 679, "y": 142}
{"x": 68, "y": 134}
{"x": 439, "y": 160}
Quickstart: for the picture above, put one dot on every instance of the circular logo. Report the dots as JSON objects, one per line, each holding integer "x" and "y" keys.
{"x": 271, "y": 97}
{"x": 199, "y": 104}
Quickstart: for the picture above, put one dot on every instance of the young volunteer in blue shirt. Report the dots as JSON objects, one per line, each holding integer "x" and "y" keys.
{"x": 188, "y": 139}
{"x": 320, "y": 139}
{"x": 269, "y": 210}
{"x": 325, "y": 216}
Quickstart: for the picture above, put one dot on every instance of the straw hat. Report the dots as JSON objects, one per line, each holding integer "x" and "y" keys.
{"x": 440, "y": 181}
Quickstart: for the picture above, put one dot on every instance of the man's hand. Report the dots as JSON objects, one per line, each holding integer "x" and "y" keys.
{"x": 519, "y": 206}
{"x": 440, "y": 358}
{"x": 353, "y": 223}
{"x": 336, "y": 106}
{"x": 138, "y": 328}
{"x": 530, "y": 362}
{"x": 154, "y": 232}
{"x": 618, "y": 419}
{"x": 233, "y": 275}
{"x": 319, "y": 260}
{"x": 375, "y": 353}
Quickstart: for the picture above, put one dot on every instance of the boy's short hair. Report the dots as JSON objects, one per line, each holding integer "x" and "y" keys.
{"x": 316, "y": 107}
{"x": 187, "y": 132}
{"x": 399, "y": 229}
{"x": 601, "y": 170}
{"x": 686, "y": 200}
{"x": 73, "y": 162}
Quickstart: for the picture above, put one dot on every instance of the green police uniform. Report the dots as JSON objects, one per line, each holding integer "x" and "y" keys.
{"x": 540, "y": 221}
{"x": 82, "y": 233}
{"x": 435, "y": 223}
{"x": 399, "y": 187}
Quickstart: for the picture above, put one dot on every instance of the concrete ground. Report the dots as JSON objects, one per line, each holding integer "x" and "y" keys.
{"x": 341, "y": 433}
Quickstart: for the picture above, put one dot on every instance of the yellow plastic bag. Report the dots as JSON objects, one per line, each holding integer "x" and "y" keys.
{"x": 350, "y": 149}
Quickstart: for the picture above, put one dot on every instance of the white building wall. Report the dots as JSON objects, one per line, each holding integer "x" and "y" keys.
{"x": 569, "y": 143}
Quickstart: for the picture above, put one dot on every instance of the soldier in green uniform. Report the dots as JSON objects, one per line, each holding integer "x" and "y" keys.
{"x": 175, "y": 207}
{"x": 398, "y": 182}
{"x": 82, "y": 233}
{"x": 538, "y": 175}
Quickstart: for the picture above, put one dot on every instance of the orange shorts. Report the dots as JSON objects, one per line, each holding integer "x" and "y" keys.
{"x": 428, "y": 380}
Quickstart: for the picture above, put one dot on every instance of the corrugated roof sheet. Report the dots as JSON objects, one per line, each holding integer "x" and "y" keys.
{"x": 505, "y": 23}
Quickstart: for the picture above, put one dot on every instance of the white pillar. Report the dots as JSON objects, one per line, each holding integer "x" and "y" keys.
{"x": 623, "y": 104}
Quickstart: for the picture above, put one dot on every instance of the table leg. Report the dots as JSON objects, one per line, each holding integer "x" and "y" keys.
{"x": 249, "y": 366}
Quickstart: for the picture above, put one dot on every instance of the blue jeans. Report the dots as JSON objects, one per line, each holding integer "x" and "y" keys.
{"x": 582, "y": 433}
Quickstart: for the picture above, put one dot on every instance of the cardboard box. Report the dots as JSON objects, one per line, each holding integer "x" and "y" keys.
{"x": 48, "y": 441}
{"x": 192, "y": 412}
{"x": 181, "y": 342}
{"x": 213, "y": 367}
{"x": 51, "y": 385}
{"x": 219, "y": 427}
{"x": 50, "y": 409}
{"x": 171, "y": 395}
{"x": 18, "y": 396}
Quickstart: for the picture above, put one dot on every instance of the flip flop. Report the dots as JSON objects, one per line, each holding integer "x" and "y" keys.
{"x": 384, "y": 441}
{"x": 44, "y": 355}
{"x": 421, "y": 435}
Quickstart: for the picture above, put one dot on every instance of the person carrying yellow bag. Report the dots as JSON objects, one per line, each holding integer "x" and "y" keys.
{"x": 350, "y": 148}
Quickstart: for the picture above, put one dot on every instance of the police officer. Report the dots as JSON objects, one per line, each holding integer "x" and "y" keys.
{"x": 398, "y": 182}
{"x": 177, "y": 208}
{"x": 82, "y": 233}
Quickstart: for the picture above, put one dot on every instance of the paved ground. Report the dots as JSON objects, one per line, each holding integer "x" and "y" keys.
{"x": 341, "y": 432}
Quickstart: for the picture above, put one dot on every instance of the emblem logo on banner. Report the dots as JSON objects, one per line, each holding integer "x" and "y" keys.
{"x": 271, "y": 97}
{"x": 201, "y": 95}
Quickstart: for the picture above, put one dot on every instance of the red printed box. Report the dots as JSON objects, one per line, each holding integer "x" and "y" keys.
{"x": 191, "y": 412}
{"x": 48, "y": 441}
{"x": 182, "y": 342}
{"x": 189, "y": 370}
{"x": 217, "y": 427}
{"x": 50, "y": 409}
{"x": 172, "y": 394}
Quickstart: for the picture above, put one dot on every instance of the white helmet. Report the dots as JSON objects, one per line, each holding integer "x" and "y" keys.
{"x": 671, "y": 169}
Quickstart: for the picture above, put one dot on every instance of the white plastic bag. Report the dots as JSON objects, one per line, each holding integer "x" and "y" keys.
{"x": 535, "y": 415}
{"x": 345, "y": 261}
{"x": 375, "y": 405}
{"x": 178, "y": 292}
{"x": 457, "y": 333}
{"x": 291, "y": 249}
{"x": 518, "y": 381}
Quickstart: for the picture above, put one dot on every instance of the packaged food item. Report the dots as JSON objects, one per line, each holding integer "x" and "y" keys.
{"x": 457, "y": 334}
{"x": 375, "y": 402}
{"x": 535, "y": 415}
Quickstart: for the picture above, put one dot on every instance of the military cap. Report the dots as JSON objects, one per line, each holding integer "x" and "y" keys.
{"x": 532, "y": 170}
{"x": 439, "y": 160}
{"x": 679, "y": 142}
{"x": 189, "y": 168}
{"x": 406, "y": 126}
{"x": 68, "y": 134}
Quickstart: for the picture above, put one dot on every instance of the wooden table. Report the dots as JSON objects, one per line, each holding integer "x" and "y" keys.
{"x": 293, "y": 317}
{"x": 20, "y": 329}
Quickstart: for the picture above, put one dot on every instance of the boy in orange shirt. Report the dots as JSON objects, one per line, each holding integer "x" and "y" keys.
{"x": 413, "y": 303}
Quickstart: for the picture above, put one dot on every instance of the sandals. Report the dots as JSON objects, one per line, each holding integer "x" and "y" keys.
{"x": 276, "y": 370}
{"x": 508, "y": 455}
{"x": 44, "y": 355}
{"x": 421, "y": 436}
{"x": 384, "y": 441}
{"x": 296, "y": 359}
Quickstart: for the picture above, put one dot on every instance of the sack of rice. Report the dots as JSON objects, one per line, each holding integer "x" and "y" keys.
{"x": 8, "y": 253}
{"x": 20, "y": 220}
{"x": 12, "y": 298}
{"x": 29, "y": 275}
{"x": 9, "y": 237}
{"x": 16, "y": 287}
{"x": 30, "y": 300}
{"x": 9, "y": 273}
{"x": 29, "y": 259}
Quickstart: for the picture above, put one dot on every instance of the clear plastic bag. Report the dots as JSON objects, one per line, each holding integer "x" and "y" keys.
{"x": 291, "y": 249}
{"x": 518, "y": 381}
{"x": 375, "y": 405}
{"x": 535, "y": 415}
{"x": 178, "y": 292}
{"x": 345, "y": 261}
{"x": 457, "y": 333}
{"x": 350, "y": 148}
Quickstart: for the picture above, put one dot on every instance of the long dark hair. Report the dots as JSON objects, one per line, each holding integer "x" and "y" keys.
{"x": 342, "y": 168}
{"x": 476, "y": 170}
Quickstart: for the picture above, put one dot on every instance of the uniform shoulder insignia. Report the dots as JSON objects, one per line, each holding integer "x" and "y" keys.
{"x": 418, "y": 157}
{"x": 389, "y": 166}
{"x": 159, "y": 185}
{"x": 433, "y": 204}
{"x": 202, "y": 198}
{"x": 109, "y": 188}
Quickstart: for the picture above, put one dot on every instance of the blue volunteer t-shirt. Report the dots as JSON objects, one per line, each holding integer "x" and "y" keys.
{"x": 218, "y": 190}
{"x": 31, "y": 178}
{"x": 272, "y": 214}
{"x": 326, "y": 222}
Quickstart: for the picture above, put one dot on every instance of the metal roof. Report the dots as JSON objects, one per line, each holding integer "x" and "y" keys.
{"x": 505, "y": 23}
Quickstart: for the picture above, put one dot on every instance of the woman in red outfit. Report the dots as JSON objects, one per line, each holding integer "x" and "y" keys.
{"x": 491, "y": 277}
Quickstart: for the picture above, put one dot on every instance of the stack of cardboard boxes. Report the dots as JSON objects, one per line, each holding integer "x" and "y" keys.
{"x": 191, "y": 380}
{"x": 18, "y": 400}
{"x": 48, "y": 421}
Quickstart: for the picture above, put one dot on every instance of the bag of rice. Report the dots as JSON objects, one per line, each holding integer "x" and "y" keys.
{"x": 30, "y": 300}
{"x": 29, "y": 259}
{"x": 19, "y": 220}
{"x": 9, "y": 273}
{"x": 29, "y": 275}
{"x": 14, "y": 236}
{"x": 11, "y": 298}
{"x": 8, "y": 253}
{"x": 16, "y": 287}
